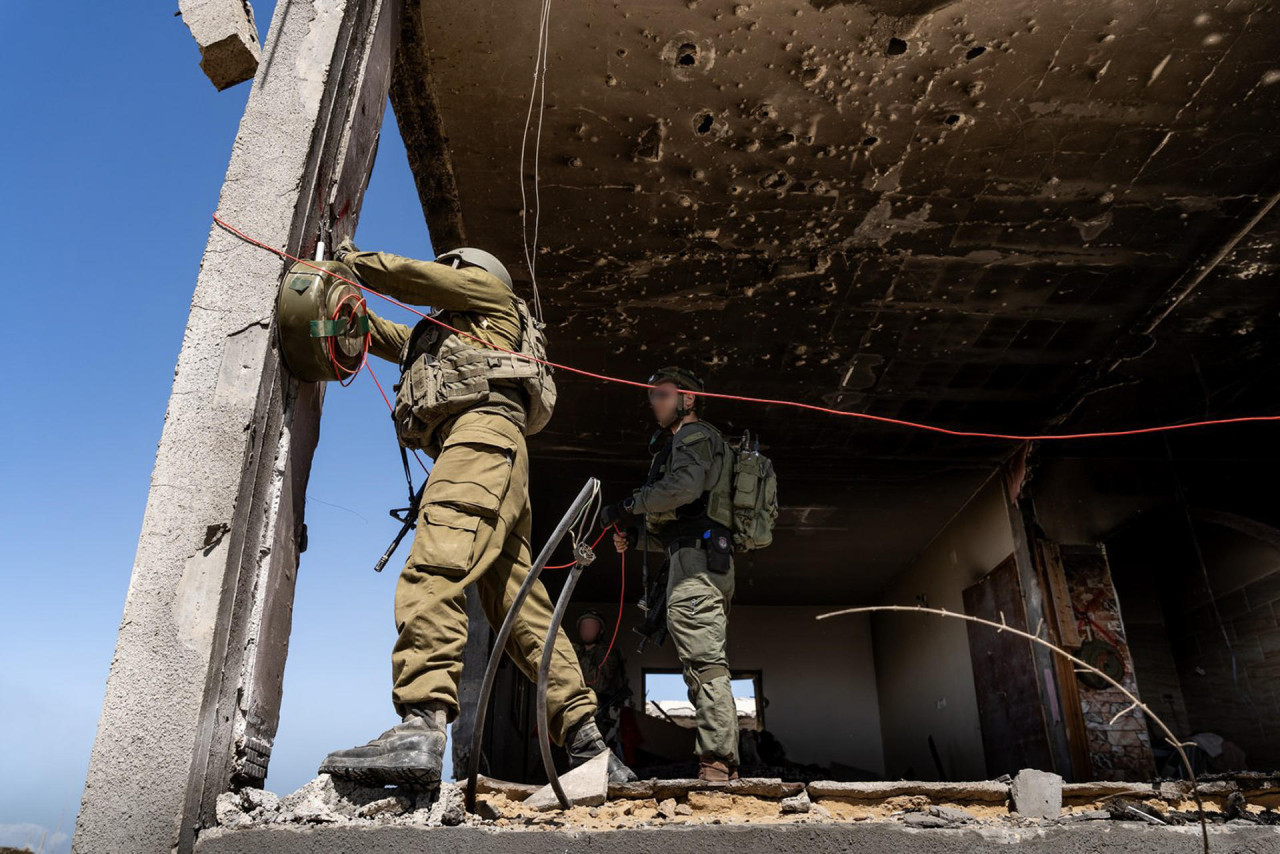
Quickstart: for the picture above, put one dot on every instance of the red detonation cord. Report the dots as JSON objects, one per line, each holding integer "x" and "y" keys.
{"x": 970, "y": 434}
{"x": 622, "y": 597}
{"x": 364, "y": 353}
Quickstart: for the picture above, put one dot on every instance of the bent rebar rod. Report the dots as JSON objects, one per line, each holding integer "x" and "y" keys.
{"x": 544, "y": 674}
{"x": 500, "y": 642}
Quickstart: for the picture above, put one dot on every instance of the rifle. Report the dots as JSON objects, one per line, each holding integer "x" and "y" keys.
{"x": 654, "y": 604}
{"x": 409, "y": 517}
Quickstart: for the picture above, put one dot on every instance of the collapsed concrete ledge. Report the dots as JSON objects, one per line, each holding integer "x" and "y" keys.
{"x": 760, "y": 814}
{"x": 741, "y": 839}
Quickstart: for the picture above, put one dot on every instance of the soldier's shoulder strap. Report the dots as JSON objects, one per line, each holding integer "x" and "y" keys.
{"x": 528, "y": 326}
{"x": 691, "y": 434}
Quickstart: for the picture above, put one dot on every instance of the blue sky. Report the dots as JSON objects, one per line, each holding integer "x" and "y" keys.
{"x": 114, "y": 151}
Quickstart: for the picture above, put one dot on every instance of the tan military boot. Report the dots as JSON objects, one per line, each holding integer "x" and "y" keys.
{"x": 713, "y": 770}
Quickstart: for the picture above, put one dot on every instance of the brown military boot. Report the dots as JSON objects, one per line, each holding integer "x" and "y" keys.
{"x": 714, "y": 770}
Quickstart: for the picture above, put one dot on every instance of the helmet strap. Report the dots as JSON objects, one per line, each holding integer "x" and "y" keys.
{"x": 681, "y": 412}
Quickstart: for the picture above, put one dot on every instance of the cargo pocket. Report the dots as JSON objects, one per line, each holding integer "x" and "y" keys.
{"x": 473, "y": 470}
{"x": 448, "y": 540}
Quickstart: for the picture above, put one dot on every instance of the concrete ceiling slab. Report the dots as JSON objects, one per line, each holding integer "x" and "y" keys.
{"x": 951, "y": 212}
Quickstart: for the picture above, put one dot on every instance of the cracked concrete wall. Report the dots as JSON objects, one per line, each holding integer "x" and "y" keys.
{"x": 205, "y": 628}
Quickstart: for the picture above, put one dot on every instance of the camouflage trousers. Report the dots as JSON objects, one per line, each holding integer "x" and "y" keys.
{"x": 698, "y": 621}
{"x": 474, "y": 527}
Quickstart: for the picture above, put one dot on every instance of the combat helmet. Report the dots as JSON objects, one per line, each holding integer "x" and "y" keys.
{"x": 468, "y": 257}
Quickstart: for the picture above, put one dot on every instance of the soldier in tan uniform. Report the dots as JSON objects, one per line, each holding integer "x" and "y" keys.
{"x": 469, "y": 407}
{"x": 686, "y": 505}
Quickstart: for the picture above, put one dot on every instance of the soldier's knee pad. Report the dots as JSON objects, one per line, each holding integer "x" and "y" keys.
{"x": 701, "y": 674}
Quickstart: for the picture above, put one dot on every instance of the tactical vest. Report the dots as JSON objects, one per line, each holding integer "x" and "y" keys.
{"x": 715, "y": 504}
{"x": 444, "y": 374}
{"x": 743, "y": 499}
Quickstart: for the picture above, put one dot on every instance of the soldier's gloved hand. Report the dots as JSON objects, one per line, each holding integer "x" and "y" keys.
{"x": 618, "y": 514}
{"x": 345, "y": 248}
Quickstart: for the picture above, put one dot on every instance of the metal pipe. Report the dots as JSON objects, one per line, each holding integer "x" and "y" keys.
{"x": 544, "y": 673}
{"x": 500, "y": 642}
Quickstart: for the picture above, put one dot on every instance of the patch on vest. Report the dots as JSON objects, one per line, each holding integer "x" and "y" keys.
{"x": 693, "y": 437}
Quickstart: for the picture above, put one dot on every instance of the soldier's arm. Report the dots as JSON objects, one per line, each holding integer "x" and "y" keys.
{"x": 686, "y": 476}
{"x": 429, "y": 283}
{"x": 386, "y": 337}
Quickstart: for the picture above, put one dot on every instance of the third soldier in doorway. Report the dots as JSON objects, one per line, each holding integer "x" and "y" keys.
{"x": 605, "y": 671}
{"x": 686, "y": 506}
{"x": 468, "y": 400}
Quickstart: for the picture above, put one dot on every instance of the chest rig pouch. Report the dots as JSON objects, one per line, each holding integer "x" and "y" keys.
{"x": 443, "y": 374}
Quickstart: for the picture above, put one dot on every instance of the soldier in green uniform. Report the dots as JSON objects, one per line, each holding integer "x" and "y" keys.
{"x": 686, "y": 505}
{"x": 469, "y": 407}
{"x": 604, "y": 670}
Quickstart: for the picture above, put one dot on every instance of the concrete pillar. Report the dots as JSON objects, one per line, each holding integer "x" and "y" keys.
{"x": 1046, "y": 662}
{"x": 192, "y": 700}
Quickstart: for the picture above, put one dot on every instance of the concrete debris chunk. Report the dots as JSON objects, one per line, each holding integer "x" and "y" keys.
{"x": 1036, "y": 794}
{"x": 763, "y": 787}
{"x": 923, "y": 820}
{"x": 586, "y": 785}
{"x": 1097, "y": 790}
{"x": 227, "y": 36}
{"x": 513, "y": 791}
{"x": 314, "y": 802}
{"x": 246, "y": 806}
{"x": 328, "y": 800}
{"x": 982, "y": 791}
{"x": 228, "y": 811}
{"x": 796, "y": 804}
{"x": 487, "y": 811}
{"x": 385, "y": 806}
{"x": 639, "y": 790}
{"x": 450, "y": 808}
{"x": 952, "y": 815}
{"x": 667, "y": 808}
{"x": 253, "y": 800}
{"x": 1086, "y": 815}
{"x": 758, "y": 787}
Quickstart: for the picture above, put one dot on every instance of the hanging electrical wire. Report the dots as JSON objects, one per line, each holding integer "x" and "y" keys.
{"x": 538, "y": 94}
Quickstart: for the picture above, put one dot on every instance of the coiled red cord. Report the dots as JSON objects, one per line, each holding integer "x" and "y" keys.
{"x": 338, "y": 369}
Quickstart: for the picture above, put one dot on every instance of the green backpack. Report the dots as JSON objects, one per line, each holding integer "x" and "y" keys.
{"x": 755, "y": 496}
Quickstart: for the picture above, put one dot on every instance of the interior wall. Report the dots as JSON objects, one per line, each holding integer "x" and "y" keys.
{"x": 924, "y": 676}
{"x": 818, "y": 676}
{"x": 1201, "y": 612}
